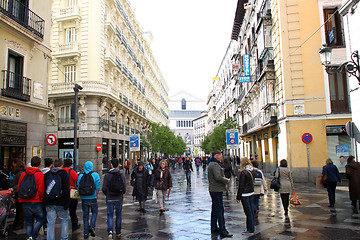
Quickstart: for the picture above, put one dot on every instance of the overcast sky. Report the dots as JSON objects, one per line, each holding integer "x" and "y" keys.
{"x": 190, "y": 38}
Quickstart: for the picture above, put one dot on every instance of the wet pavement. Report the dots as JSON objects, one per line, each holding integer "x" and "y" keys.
{"x": 188, "y": 215}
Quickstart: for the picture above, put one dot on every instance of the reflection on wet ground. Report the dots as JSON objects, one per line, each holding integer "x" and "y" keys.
{"x": 188, "y": 215}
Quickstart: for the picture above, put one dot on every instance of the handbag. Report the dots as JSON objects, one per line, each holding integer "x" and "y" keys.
{"x": 324, "y": 178}
{"x": 74, "y": 193}
{"x": 294, "y": 199}
{"x": 319, "y": 183}
{"x": 275, "y": 183}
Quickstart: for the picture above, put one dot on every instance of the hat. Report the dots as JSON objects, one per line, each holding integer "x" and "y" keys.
{"x": 215, "y": 152}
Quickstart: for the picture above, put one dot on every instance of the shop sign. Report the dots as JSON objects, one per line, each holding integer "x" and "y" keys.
{"x": 247, "y": 65}
{"x": 342, "y": 150}
{"x": 12, "y": 133}
{"x": 9, "y": 111}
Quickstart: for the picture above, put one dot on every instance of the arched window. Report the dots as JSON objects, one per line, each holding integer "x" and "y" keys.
{"x": 183, "y": 104}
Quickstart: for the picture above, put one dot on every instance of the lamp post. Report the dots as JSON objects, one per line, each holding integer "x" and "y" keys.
{"x": 77, "y": 88}
{"x": 112, "y": 116}
{"x": 352, "y": 67}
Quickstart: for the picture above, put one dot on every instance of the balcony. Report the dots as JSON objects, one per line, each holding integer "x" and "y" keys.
{"x": 16, "y": 86}
{"x": 68, "y": 13}
{"x": 68, "y": 50}
{"x": 65, "y": 124}
{"x": 21, "y": 14}
{"x": 113, "y": 127}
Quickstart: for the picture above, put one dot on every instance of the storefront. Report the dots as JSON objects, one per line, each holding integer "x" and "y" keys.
{"x": 66, "y": 148}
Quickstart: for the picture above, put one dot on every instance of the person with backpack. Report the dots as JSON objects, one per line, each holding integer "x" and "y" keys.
{"x": 48, "y": 163}
{"x": 73, "y": 178}
{"x": 114, "y": 188}
{"x": 30, "y": 190}
{"x": 245, "y": 193}
{"x": 162, "y": 183}
{"x": 141, "y": 181}
{"x": 57, "y": 199}
{"x": 260, "y": 187}
{"x": 88, "y": 184}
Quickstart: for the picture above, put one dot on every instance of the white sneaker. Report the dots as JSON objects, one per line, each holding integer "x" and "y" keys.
{"x": 110, "y": 236}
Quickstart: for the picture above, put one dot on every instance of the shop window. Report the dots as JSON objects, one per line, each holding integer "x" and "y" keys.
{"x": 339, "y": 92}
{"x": 70, "y": 73}
{"x": 333, "y": 27}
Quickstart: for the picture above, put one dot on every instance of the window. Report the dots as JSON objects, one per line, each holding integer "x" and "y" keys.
{"x": 338, "y": 92}
{"x": 333, "y": 27}
{"x": 70, "y": 35}
{"x": 71, "y": 3}
{"x": 65, "y": 114}
{"x": 15, "y": 70}
{"x": 183, "y": 104}
{"x": 70, "y": 73}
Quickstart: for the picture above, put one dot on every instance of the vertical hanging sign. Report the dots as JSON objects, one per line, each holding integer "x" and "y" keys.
{"x": 247, "y": 65}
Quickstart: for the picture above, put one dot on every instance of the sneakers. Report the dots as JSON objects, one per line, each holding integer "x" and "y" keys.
{"x": 86, "y": 236}
{"x": 92, "y": 232}
{"x": 110, "y": 235}
{"x": 30, "y": 238}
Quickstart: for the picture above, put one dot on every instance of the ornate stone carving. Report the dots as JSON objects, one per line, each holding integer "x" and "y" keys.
{"x": 52, "y": 112}
{"x": 82, "y": 109}
{"x": 102, "y": 110}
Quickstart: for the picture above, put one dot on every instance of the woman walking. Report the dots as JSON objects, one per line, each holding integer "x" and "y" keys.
{"x": 260, "y": 187}
{"x": 228, "y": 171}
{"x": 333, "y": 177}
{"x": 245, "y": 193}
{"x": 353, "y": 174}
{"x": 140, "y": 180}
{"x": 286, "y": 184}
{"x": 162, "y": 183}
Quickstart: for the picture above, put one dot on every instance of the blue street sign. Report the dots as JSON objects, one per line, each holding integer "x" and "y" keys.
{"x": 247, "y": 65}
{"x": 307, "y": 138}
{"x": 232, "y": 138}
{"x": 245, "y": 79}
{"x": 135, "y": 142}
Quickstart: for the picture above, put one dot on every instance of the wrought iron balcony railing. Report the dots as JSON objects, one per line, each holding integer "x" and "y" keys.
{"x": 21, "y": 14}
{"x": 16, "y": 86}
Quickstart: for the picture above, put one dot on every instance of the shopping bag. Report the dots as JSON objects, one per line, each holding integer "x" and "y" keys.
{"x": 294, "y": 199}
{"x": 74, "y": 194}
{"x": 319, "y": 183}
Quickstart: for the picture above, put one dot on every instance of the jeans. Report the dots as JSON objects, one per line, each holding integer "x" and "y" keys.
{"x": 32, "y": 211}
{"x": 217, "y": 211}
{"x": 111, "y": 204}
{"x": 285, "y": 201}
{"x": 249, "y": 212}
{"x": 72, "y": 211}
{"x": 161, "y": 197}
{"x": 188, "y": 176}
{"x": 255, "y": 203}
{"x": 87, "y": 205}
{"x": 331, "y": 187}
{"x": 52, "y": 212}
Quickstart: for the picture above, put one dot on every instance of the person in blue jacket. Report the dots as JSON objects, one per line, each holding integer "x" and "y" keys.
{"x": 90, "y": 202}
{"x": 333, "y": 178}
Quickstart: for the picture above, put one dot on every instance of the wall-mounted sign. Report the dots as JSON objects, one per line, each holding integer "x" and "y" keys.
{"x": 9, "y": 111}
{"x": 51, "y": 139}
{"x": 38, "y": 90}
{"x": 247, "y": 64}
{"x": 244, "y": 79}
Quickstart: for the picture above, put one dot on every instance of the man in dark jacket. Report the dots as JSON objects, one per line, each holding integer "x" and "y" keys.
{"x": 113, "y": 199}
{"x": 217, "y": 185}
{"x": 188, "y": 169}
{"x": 57, "y": 206}
{"x": 353, "y": 174}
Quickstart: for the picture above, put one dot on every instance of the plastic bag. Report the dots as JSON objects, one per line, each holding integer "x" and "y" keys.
{"x": 294, "y": 199}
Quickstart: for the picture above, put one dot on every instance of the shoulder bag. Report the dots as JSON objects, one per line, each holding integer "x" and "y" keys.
{"x": 275, "y": 182}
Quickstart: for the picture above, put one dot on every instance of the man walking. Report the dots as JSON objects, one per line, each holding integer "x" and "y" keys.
{"x": 188, "y": 169}
{"x": 217, "y": 185}
{"x": 88, "y": 184}
{"x": 57, "y": 200}
{"x": 73, "y": 178}
{"x": 127, "y": 166}
{"x": 114, "y": 188}
{"x": 31, "y": 195}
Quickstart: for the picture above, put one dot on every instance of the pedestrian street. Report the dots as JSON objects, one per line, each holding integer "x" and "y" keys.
{"x": 188, "y": 215}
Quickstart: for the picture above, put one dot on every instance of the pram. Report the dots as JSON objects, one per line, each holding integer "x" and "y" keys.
{"x": 6, "y": 201}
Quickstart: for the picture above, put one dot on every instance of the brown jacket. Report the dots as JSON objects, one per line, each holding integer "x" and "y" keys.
{"x": 353, "y": 174}
{"x": 162, "y": 181}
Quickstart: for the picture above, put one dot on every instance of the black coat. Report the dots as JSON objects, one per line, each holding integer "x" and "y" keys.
{"x": 246, "y": 183}
{"x": 141, "y": 181}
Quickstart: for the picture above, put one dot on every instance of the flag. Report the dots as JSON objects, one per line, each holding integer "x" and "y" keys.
{"x": 216, "y": 78}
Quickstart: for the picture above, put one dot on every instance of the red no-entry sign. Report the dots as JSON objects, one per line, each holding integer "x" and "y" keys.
{"x": 307, "y": 138}
{"x": 98, "y": 147}
{"x": 51, "y": 139}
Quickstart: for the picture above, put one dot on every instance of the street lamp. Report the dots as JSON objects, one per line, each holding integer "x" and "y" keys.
{"x": 77, "y": 88}
{"x": 352, "y": 67}
{"x": 112, "y": 116}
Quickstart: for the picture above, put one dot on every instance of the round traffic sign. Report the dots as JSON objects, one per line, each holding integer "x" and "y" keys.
{"x": 51, "y": 139}
{"x": 98, "y": 147}
{"x": 134, "y": 144}
{"x": 307, "y": 138}
{"x": 232, "y": 140}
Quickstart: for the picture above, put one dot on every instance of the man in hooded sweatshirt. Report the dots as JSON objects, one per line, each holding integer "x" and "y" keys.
{"x": 57, "y": 199}
{"x": 33, "y": 207}
{"x": 89, "y": 202}
{"x": 217, "y": 185}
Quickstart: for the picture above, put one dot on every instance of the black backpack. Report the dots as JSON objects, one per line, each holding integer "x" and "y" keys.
{"x": 257, "y": 178}
{"x": 53, "y": 186}
{"x": 27, "y": 188}
{"x": 87, "y": 185}
{"x": 117, "y": 186}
